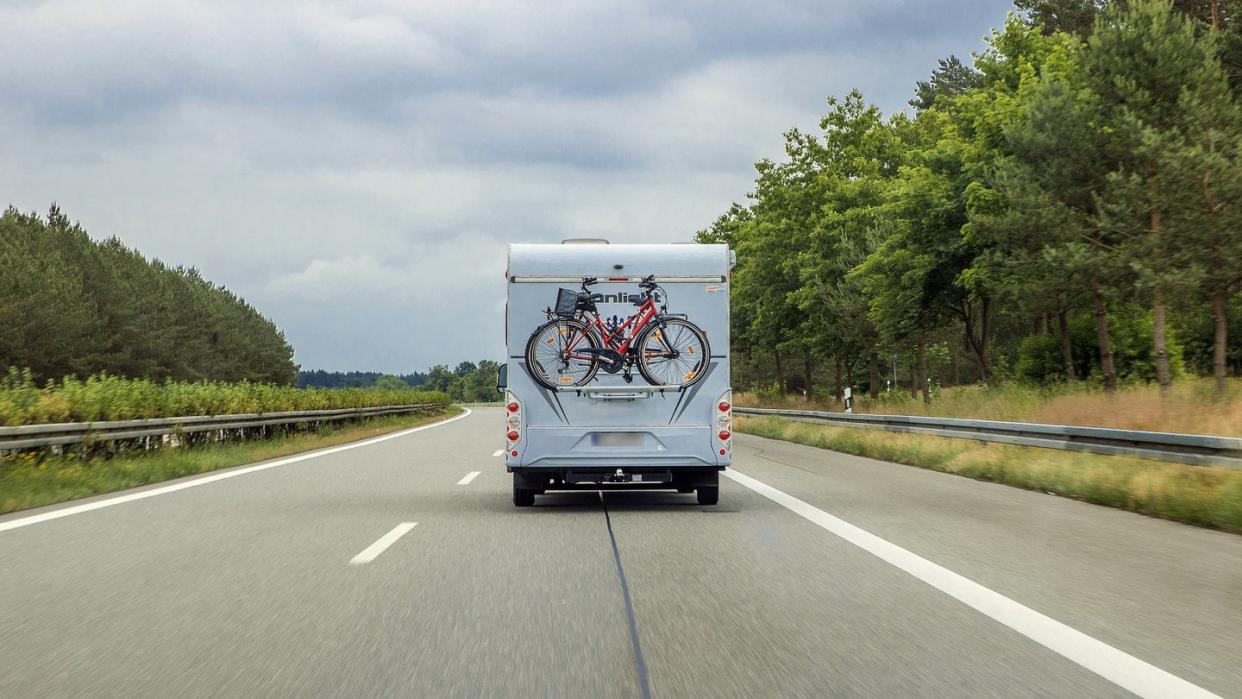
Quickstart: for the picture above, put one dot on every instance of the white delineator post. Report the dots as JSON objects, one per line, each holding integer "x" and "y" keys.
{"x": 849, "y": 400}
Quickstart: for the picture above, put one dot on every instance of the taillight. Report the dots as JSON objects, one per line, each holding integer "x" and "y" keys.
{"x": 724, "y": 423}
{"x": 513, "y": 423}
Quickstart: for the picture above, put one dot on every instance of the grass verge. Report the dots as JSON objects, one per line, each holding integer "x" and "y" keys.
{"x": 1199, "y": 495}
{"x": 26, "y": 482}
{"x": 1193, "y": 405}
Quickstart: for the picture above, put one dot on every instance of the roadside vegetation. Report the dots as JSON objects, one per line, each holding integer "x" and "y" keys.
{"x": 99, "y": 332}
{"x": 1203, "y": 496}
{"x": 42, "y": 476}
{"x": 74, "y": 306}
{"x": 1064, "y": 207}
{"x": 1051, "y": 233}
{"x": 1194, "y": 406}
{"x": 105, "y": 397}
{"x": 95, "y": 331}
{"x": 33, "y": 479}
{"x": 468, "y": 382}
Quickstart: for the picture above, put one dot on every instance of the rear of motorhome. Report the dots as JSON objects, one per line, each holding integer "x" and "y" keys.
{"x": 622, "y": 428}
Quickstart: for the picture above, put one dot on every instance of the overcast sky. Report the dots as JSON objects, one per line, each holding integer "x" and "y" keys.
{"x": 354, "y": 169}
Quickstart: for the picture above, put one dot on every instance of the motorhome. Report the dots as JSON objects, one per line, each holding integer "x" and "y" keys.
{"x": 618, "y": 368}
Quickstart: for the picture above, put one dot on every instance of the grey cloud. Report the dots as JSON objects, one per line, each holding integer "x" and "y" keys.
{"x": 78, "y": 60}
{"x": 356, "y": 168}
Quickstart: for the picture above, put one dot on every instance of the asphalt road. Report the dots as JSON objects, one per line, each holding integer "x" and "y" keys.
{"x": 857, "y": 578}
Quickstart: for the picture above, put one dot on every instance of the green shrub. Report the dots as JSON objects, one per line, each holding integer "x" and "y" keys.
{"x": 1131, "y": 333}
{"x": 1039, "y": 359}
{"x": 105, "y": 397}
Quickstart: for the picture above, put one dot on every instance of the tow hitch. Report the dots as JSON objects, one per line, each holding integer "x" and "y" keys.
{"x": 619, "y": 476}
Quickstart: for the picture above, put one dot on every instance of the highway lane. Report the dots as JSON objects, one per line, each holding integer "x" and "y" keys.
{"x": 1168, "y": 593}
{"x": 244, "y": 585}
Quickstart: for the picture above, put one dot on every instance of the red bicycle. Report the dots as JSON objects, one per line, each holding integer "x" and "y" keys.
{"x": 576, "y": 342}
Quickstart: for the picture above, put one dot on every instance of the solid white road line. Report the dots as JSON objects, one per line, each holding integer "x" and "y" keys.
{"x": 1125, "y": 670}
{"x": 373, "y": 551}
{"x": 469, "y": 477}
{"x": 499, "y": 452}
{"x": 143, "y": 494}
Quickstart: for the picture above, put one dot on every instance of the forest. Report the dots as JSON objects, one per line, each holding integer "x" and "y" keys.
{"x": 1064, "y": 207}
{"x": 318, "y": 378}
{"x": 80, "y": 310}
{"x": 74, "y": 307}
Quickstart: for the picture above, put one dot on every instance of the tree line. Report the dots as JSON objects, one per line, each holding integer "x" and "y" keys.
{"x": 318, "y": 378}
{"x": 71, "y": 306}
{"x": 1065, "y": 207}
{"x": 467, "y": 383}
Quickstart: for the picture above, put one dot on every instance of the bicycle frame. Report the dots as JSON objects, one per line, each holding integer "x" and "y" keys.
{"x": 617, "y": 339}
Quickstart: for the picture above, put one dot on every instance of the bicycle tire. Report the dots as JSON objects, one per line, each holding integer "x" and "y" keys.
{"x": 687, "y": 372}
{"x": 535, "y": 367}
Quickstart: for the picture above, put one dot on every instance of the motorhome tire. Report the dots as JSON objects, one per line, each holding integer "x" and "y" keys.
{"x": 523, "y": 497}
{"x": 708, "y": 495}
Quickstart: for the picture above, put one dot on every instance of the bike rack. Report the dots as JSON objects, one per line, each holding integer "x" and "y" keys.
{"x": 619, "y": 392}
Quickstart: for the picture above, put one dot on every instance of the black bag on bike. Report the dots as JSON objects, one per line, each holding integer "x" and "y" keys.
{"x": 569, "y": 302}
{"x": 566, "y": 303}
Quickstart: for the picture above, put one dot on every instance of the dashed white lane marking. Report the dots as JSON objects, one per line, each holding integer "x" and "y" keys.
{"x": 499, "y": 452}
{"x": 142, "y": 495}
{"x": 373, "y": 551}
{"x": 1121, "y": 668}
{"x": 469, "y": 477}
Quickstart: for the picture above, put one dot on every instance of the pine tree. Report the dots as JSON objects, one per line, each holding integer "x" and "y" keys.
{"x": 73, "y": 306}
{"x": 1150, "y": 68}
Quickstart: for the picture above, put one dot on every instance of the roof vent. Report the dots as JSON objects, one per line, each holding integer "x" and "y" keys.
{"x": 584, "y": 241}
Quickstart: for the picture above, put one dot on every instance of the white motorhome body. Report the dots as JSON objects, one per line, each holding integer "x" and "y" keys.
{"x": 610, "y": 432}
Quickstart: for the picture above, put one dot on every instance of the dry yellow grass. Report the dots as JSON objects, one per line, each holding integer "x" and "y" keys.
{"x": 1192, "y": 406}
{"x": 1204, "y": 496}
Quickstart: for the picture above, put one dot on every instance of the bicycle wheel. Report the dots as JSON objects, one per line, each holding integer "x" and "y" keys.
{"x": 673, "y": 352}
{"x": 551, "y": 359}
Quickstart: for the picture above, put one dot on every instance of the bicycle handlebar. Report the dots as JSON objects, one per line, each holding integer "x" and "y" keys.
{"x": 648, "y": 282}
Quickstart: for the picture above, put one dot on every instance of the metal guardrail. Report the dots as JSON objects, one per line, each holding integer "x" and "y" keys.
{"x": 1199, "y": 450}
{"x": 62, "y": 433}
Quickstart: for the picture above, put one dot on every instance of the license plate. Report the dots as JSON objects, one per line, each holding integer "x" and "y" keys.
{"x": 617, "y": 439}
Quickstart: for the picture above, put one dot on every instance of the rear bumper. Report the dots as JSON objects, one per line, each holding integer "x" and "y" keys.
{"x": 544, "y": 479}
{"x": 580, "y": 449}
